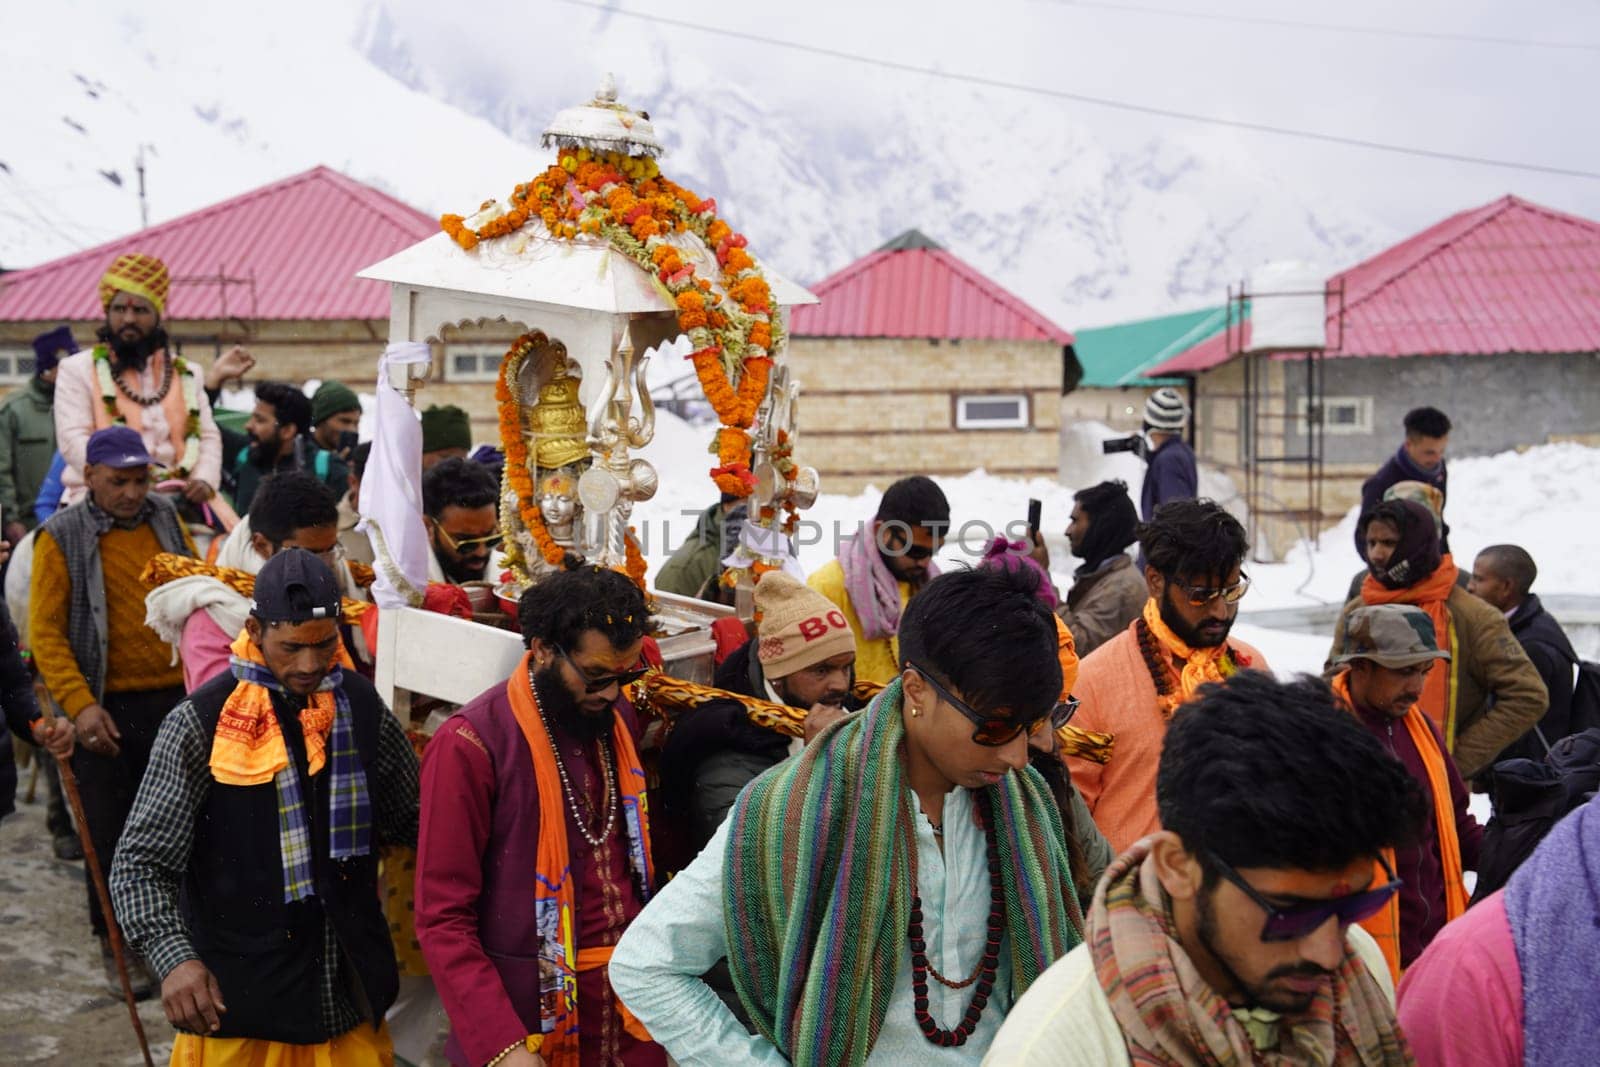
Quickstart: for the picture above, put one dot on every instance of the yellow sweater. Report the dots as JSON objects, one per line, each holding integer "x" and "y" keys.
{"x": 877, "y": 660}
{"x": 136, "y": 659}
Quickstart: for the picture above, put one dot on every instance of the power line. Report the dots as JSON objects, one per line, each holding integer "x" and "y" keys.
{"x": 1097, "y": 101}
{"x": 1335, "y": 27}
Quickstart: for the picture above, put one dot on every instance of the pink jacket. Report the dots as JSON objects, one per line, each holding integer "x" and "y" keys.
{"x": 1461, "y": 1002}
{"x": 78, "y": 393}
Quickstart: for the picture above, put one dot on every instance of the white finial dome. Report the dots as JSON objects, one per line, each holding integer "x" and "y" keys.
{"x": 603, "y": 125}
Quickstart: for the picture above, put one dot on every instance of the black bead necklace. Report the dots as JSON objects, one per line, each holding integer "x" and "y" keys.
{"x": 982, "y": 978}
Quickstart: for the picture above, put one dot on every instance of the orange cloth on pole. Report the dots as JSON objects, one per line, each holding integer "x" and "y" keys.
{"x": 1385, "y": 926}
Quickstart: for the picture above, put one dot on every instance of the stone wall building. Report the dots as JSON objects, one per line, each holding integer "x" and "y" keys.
{"x": 1492, "y": 316}
{"x": 914, "y": 363}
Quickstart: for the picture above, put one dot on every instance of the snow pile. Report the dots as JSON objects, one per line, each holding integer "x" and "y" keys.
{"x": 1546, "y": 499}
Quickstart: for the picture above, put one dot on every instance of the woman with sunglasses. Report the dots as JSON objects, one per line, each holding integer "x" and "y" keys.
{"x": 1231, "y": 936}
{"x": 885, "y": 896}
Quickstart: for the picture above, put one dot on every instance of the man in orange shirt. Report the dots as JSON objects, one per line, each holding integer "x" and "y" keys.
{"x": 1130, "y": 686}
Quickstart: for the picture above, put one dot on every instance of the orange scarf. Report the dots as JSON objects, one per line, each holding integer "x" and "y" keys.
{"x": 1200, "y": 665}
{"x": 559, "y": 958}
{"x": 172, "y": 405}
{"x": 1067, "y": 653}
{"x": 248, "y": 748}
{"x": 1431, "y": 595}
{"x": 1385, "y": 926}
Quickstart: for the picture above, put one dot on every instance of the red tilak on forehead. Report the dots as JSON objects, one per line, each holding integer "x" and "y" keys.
{"x": 1341, "y": 889}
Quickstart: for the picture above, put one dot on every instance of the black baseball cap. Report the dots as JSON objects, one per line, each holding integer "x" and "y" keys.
{"x": 295, "y": 586}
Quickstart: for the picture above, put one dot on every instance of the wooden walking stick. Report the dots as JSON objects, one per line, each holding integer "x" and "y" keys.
{"x": 69, "y": 787}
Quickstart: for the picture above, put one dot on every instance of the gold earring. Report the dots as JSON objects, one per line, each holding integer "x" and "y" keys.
{"x": 915, "y": 711}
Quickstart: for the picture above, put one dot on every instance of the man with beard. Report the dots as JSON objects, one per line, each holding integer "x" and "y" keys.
{"x": 458, "y": 505}
{"x": 248, "y": 874}
{"x": 108, "y": 671}
{"x": 1388, "y": 653}
{"x": 131, "y": 379}
{"x": 1130, "y": 686}
{"x": 277, "y": 437}
{"x": 28, "y": 434}
{"x": 1489, "y": 693}
{"x": 533, "y": 854}
{"x": 803, "y": 655}
{"x": 1108, "y": 591}
{"x": 1229, "y": 936}
{"x": 882, "y": 567}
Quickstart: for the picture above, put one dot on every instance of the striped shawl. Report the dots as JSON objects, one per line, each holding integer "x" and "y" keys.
{"x": 820, "y": 867}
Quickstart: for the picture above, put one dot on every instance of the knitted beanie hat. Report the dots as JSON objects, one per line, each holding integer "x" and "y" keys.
{"x": 1165, "y": 410}
{"x": 446, "y": 426}
{"x": 799, "y": 626}
{"x": 330, "y": 399}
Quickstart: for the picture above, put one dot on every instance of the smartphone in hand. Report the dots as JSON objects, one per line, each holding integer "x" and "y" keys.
{"x": 1035, "y": 513}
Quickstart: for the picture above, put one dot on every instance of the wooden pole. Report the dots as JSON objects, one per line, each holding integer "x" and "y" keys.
{"x": 69, "y": 787}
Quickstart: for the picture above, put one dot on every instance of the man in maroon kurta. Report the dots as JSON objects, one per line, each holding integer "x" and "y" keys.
{"x": 478, "y": 843}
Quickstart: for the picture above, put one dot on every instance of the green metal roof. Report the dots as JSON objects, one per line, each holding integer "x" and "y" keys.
{"x": 1113, "y": 356}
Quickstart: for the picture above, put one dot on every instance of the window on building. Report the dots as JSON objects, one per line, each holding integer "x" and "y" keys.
{"x": 16, "y": 365}
{"x": 995, "y": 412}
{"x": 464, "y": 363}
{"x": 1342, "y": 416}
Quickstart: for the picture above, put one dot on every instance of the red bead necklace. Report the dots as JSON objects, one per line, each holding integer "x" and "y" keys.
{"x": 983, "y": 976}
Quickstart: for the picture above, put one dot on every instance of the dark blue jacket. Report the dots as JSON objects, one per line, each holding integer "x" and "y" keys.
{"x": 1400, "y": 468}
{"x": 1172, "y": 476}
{"x": 1542, "y": 638}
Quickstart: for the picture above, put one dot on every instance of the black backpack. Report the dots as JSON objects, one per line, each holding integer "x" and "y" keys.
{"x": 1531, "y": 796}
{"x": 1585, "y": 698}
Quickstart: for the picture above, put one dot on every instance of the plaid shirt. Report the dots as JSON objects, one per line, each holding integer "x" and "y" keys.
{"x": 153, "y": 853}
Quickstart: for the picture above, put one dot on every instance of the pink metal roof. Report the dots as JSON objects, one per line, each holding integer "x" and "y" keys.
{"x": 301, "y": 239}
{"x": 1508, "y": 277}
{"x": 919, "y": 292}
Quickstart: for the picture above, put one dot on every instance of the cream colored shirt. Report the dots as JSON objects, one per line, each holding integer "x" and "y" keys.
{"x": 1065, "y": 1020}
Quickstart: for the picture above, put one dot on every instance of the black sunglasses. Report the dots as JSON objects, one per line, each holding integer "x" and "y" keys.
{"x": 996, "y": 730}
{"x": 1301, "y": 920}
{"x": 600, "y": 685}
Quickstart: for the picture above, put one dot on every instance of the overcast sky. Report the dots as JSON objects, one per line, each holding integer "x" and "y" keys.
{"x": 1503, "y": 100}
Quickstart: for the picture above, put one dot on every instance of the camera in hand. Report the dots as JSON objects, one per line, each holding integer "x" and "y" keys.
{"x": 1134, "y": 443}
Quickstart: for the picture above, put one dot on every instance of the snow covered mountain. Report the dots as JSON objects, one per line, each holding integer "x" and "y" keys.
{"x": 228, "y": 99}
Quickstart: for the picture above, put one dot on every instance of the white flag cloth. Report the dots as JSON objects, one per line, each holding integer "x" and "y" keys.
{"x": 391, "y": 489}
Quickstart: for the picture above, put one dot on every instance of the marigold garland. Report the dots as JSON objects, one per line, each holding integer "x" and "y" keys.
{"x": 516, "y": 475}
{"x": 627, "y": 201}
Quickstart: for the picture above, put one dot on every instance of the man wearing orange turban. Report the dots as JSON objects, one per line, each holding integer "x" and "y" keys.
{"x": 130, "y": 379}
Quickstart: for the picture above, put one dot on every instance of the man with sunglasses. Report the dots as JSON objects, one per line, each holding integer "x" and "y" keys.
{"x": 881, "y": 567}
{"x": 1389, "y": 651}
{"x": 1231, "y": 936}
{"x": 885, "y": 896}
{"x": 458, "y": 505}
{"x": 534, "y": 854}
{"x": 1131, "y": 685}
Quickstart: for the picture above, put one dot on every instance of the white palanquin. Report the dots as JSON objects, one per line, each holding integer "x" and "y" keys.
{"x": 603, "y": 308}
